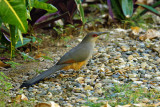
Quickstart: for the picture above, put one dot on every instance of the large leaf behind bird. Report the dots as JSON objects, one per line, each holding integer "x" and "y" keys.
{"x": 14, "y": 12}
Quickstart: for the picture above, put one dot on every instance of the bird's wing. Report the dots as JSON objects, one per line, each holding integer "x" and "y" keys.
{"x": 77, "y": 54}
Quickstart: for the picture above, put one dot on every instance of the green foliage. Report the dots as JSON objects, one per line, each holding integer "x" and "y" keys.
{"x": 48, "y": 58}
{"x": 59, "y": 31}
{"x": 122, "y": 94}
{"x": 14, "y": 15}
{"x": 41, "y": 5}
{"x": 127, "y": 8}
{"x": 116, "y": 7}
{"x": 4, "y": 89}
{"x": 22, "y": 43}
{"x": 126, "y": 94}
{"x": 80, "y": 8}
{"x": 13, "y": 64}
{"x": 25, "y": 56}
{"x": 123, "y": 10}
{"x": 151, "y": 8}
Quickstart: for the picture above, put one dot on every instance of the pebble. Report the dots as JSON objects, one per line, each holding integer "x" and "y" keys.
{"x": 98, "y": 85}
{"x": 93, "y": 99}
{"x": 80, "y": 80}
{"x": 156, "y": 78}
{"x": 125, "y": 48}
{"x": 158, "y": 60}
{"x": 148, "y": 76}
{"x": 88, "y": 87}
{"x": 130, "y": 57}
{"x": 137, "y": 82}
{"x": 143, "y": 65}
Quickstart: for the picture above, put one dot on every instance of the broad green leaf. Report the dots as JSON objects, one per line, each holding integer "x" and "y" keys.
{"x": 41, "y": 5}
{"x": 117, "y": 9}
{"x": 127, "y": 7}
{"x": 14, "y": 12}
{"x": 150, "y": 8}
{"x": 25, "y": 41}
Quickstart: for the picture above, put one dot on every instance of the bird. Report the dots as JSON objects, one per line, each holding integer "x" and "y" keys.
{"x": 73, "y": 59}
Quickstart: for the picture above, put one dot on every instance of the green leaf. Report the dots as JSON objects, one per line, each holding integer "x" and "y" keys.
{"x": 25, "y": 56}
{"x": 25, "y": 41}
{"x": 14, "y": 12}
{"x": 41, "y": 5}
{"x": 150, "y": 8}
{"x": 80, "y": 8}
{"x": 127, "y": 7}
{"x": 144, "y": 11}
{"x": 117, "y": 9}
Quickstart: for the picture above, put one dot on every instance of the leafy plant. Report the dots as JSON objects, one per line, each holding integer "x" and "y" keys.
{"x": 124, "y": 9}
{"x": 4, "y": 87}
{"x": 13, "y": 64}
{"x": 14, "y": 22}
{"x": 80, "y": 8}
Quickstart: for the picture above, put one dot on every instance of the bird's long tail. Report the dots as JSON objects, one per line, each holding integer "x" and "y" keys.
{"x": 42, "y": 75}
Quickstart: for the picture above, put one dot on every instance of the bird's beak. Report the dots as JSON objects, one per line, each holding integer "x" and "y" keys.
{"x": 100, "y": 33}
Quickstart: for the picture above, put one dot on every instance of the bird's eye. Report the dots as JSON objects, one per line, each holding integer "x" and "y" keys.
{"x": 94, "y": 35}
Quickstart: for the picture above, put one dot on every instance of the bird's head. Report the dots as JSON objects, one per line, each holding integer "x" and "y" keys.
{"x": 92, "y": 36}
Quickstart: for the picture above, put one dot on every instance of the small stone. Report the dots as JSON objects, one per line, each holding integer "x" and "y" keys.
{"x": 124, "y": 48}
{"x": 88, "y": 87}
{"x": 130, "y": 57}
{"x": 98, "y": 85}
{"x": 158, "y": 60}
{"x": 134, "y": 79}
{"x": 145, "y": 100}
{"x": 88, "y": 93}
{"x": 101, "y": 50}
{"x": 80, "y": 80}
{"x": 138, "y": 82}
{"x": 88, "y": 80}
{"x": 115, "y": 75}
{"x": 35, "y": 90}
{"x": 143, "y": 65}
{"x": 77, "y": 90}
{"x": 132, "y": 75}
{"x": 99, "y": 91}
{"x": 157, "y": 88}
{"x": 148, "y": 76}
{"x": 49, "y": 95}
{"x": 156, "y": 78}
{"x": 142, "y": 71}
{"x": 93, "y": 99}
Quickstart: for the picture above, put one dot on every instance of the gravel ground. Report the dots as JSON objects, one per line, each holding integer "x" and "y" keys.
{"x": 117, "y": 58}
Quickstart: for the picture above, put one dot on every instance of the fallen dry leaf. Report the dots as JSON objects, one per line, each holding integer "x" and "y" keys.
{"x": 4, "y": 65}
{"x": 136, "y": 30}
{"x": 39, "y": 55}
{"x": 48, "y": 104}
{"x": 21, "y": 98}
{"x": 150, "y": 34}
